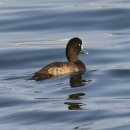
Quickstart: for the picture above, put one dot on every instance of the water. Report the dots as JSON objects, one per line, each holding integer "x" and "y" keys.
{"x": 35, "y": 33}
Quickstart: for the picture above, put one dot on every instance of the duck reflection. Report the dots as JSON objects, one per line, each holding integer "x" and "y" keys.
{"x": 77, "y": 96}
{"x": 74, "y": 101}
{"x": 75, "y": 105}
{"x": 76, "y": 81}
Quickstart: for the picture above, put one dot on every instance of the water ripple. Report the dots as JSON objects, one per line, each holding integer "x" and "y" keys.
{"x": 53, "y": 20}
{"x": 35, "y": 33}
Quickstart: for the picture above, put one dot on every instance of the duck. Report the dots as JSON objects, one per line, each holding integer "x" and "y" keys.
{"x": 58, "y": 69}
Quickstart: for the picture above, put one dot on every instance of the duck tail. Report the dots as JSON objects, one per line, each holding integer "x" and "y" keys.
{"x": 39, "y": 76}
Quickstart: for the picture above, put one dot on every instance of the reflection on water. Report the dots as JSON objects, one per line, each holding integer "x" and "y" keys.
{"x": 76, "y": 81}
{"x": 75, "y": 105}
{"x": 77, "y": 96}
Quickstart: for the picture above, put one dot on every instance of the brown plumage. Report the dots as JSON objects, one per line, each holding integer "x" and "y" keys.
{"x": 58, "y": 69}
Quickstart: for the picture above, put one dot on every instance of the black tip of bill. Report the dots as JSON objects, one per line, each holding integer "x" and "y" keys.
{"x": 84, "y": 52}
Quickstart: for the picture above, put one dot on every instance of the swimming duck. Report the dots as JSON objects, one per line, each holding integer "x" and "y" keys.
{"x": 57, "y": 69}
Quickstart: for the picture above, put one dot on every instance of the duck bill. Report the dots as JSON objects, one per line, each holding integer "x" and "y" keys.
{"x": 84, "y": 51}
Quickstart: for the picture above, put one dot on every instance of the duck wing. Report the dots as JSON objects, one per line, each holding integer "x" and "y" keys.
{"x": 56, "y": 69}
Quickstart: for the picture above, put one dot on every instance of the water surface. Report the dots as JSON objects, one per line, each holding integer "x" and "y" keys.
{"x": 35, "y": 33}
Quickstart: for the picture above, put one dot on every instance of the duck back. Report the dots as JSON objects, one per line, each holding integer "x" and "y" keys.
{"x": 56, "y": 69}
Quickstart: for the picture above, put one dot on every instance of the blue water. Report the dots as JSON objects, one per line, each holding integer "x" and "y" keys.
{"x": 34, "y": 33}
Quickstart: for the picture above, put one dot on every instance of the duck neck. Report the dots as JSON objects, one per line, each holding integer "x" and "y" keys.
{"x": 71, "y": 55}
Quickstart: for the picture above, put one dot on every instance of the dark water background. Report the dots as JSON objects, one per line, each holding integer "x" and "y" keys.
{"x": 34, "y": 33}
